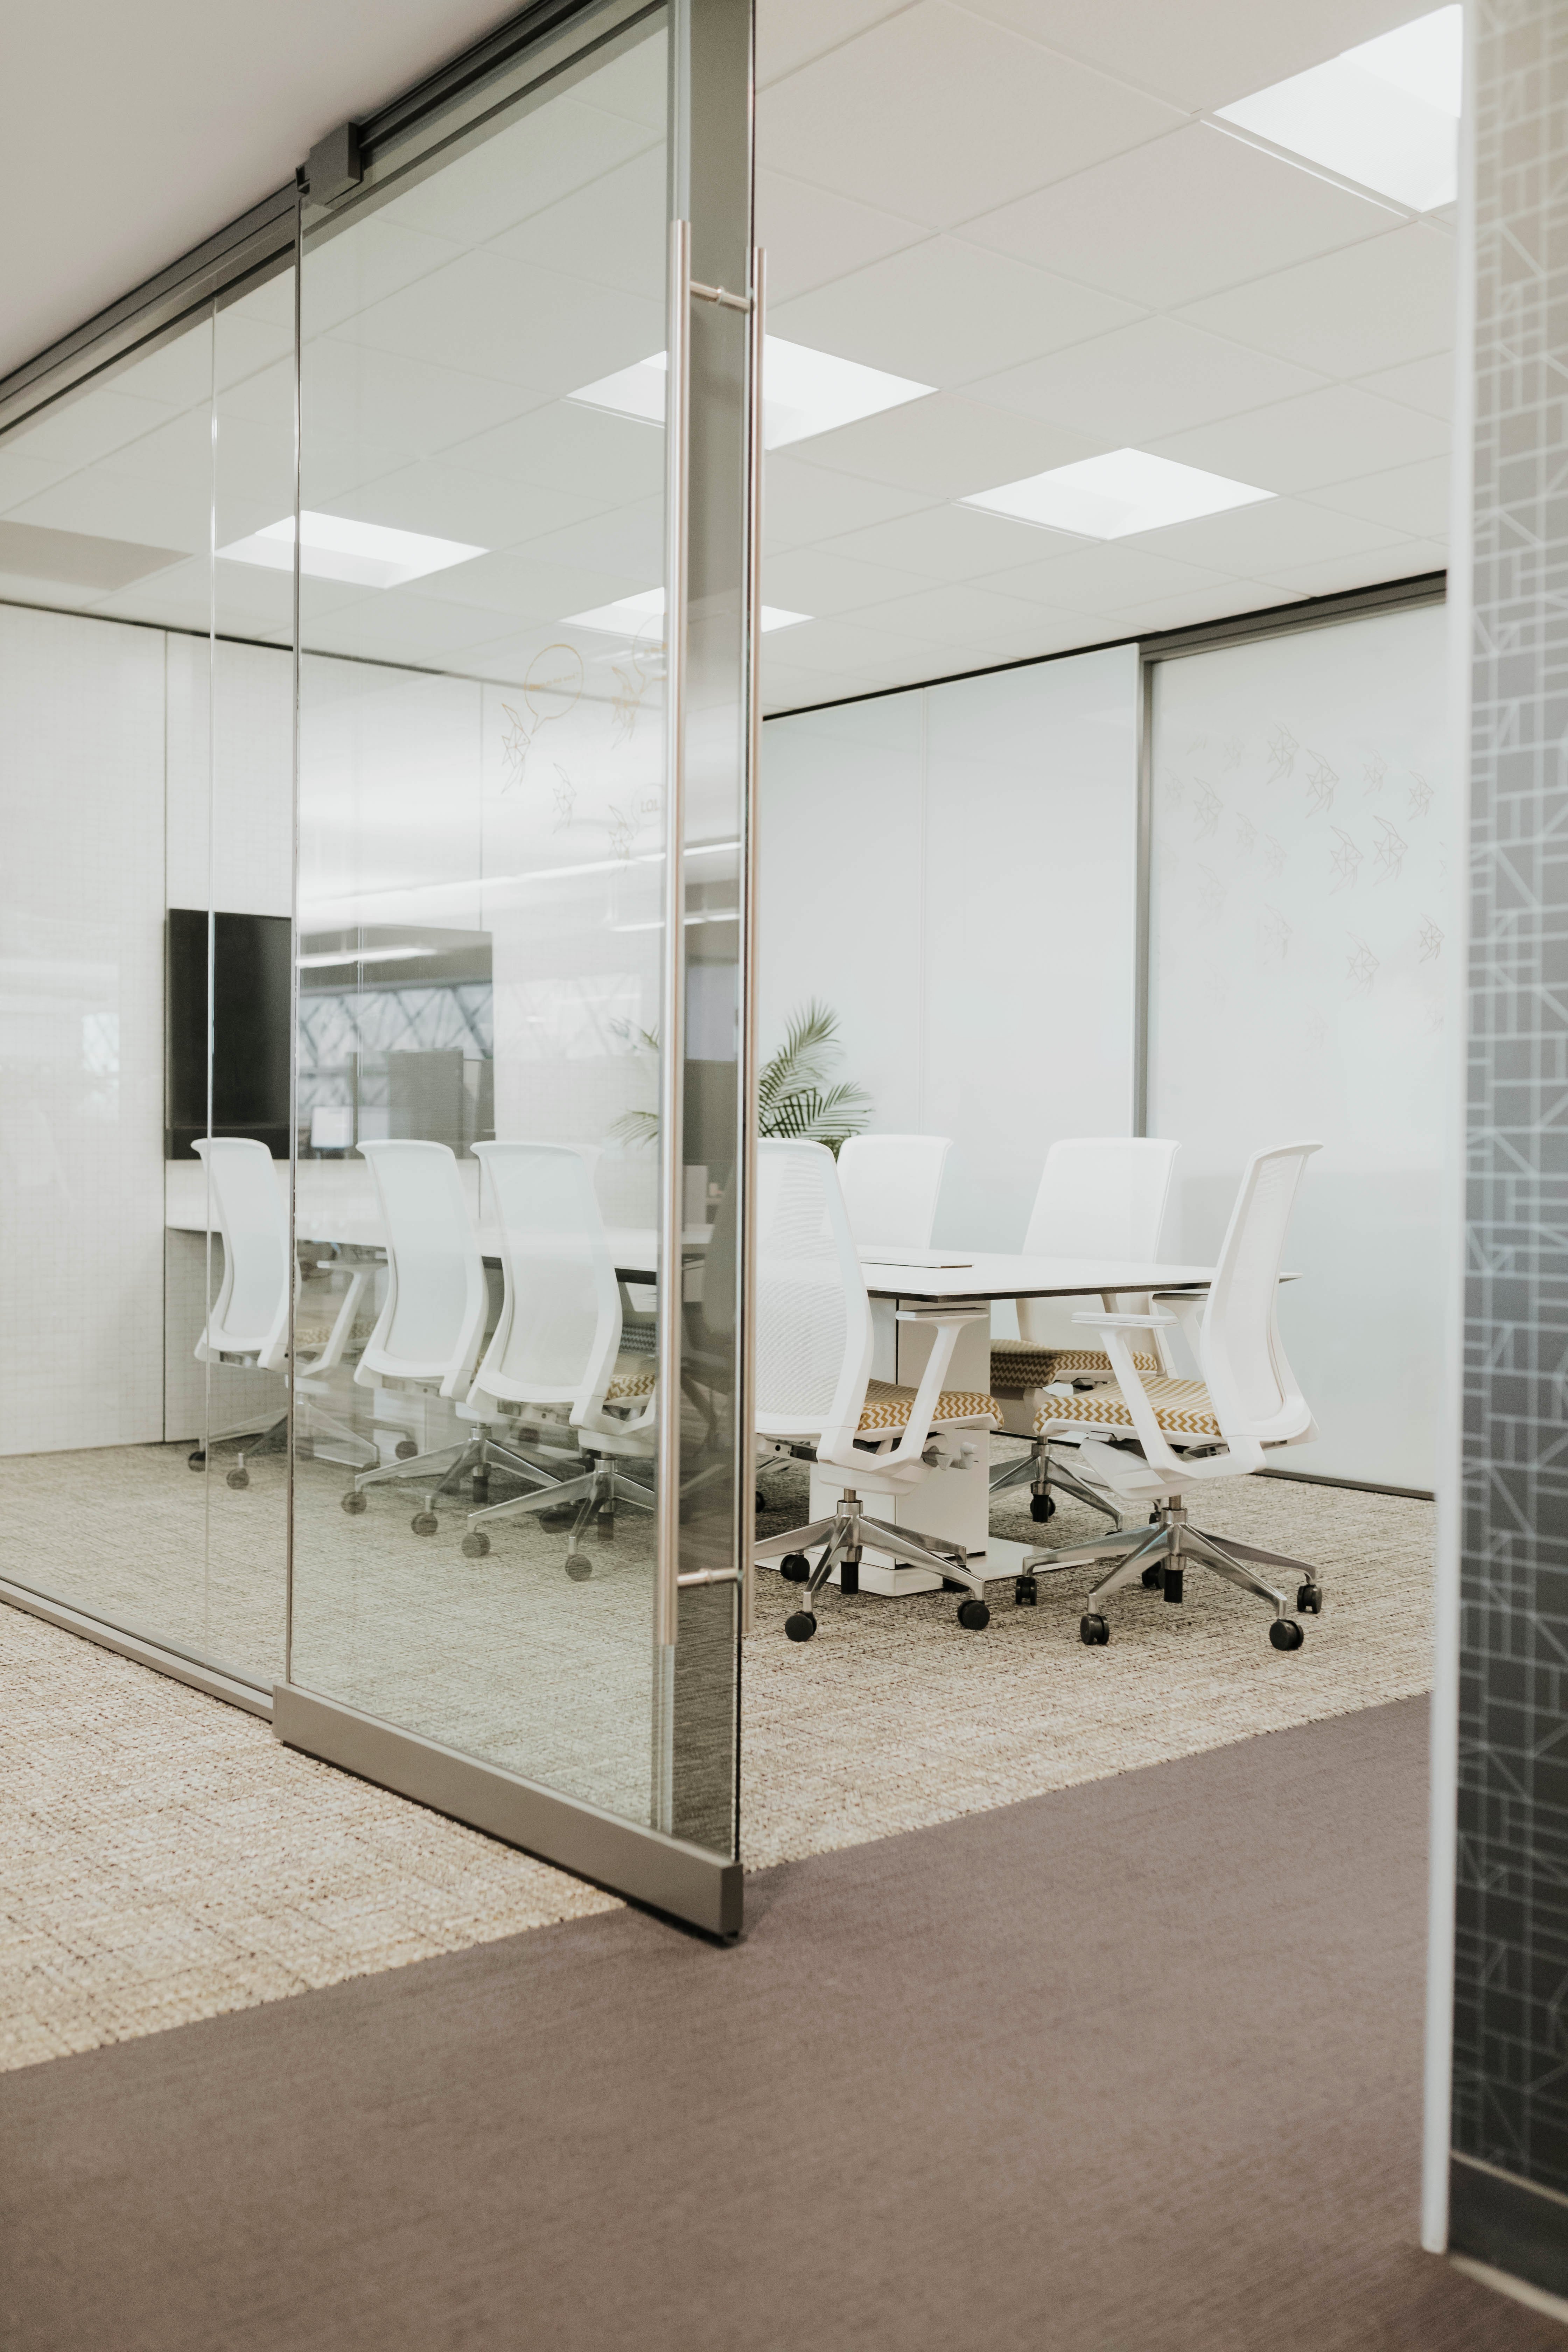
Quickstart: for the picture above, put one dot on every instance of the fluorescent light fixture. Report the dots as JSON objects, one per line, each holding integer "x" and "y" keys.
{"x": 629, "y": 616}
{"x": 804, "y": 392}
{"x": 367, "y": 554}
{"x": 1385, "y": 114}
{"x": 1112, "y": 497}
{"x": 362, "y": 955}
{"x": 318, "y": 907}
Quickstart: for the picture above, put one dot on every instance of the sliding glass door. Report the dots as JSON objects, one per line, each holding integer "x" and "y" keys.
{"x": 519, "y": 1175}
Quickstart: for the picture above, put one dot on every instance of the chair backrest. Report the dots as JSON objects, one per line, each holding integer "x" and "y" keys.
{"x": 560, "y": 1329}
{"x": 1255, "y": 1392}
{"x": 891, "y": 1186}
{"x": 1099, "y": 1196}
{"x": 813, "y": 1316}
{"x": 432, "y": 1321}
{"x": 250, "y": 1314}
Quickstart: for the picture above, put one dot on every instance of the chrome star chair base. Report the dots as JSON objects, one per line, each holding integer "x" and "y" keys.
{"x": 1248, "y": 1400}
{"x": 843, "y": 1538}
{"x": 1045, "y": 1472}
{"x": 596, "y": 1493}
{"x": 473, "y": 1458}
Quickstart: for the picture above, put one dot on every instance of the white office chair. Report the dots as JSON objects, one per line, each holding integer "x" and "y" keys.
{"x": 249, "y": 1323}
{"x": 1247, "y": 1401}
{"x": 814, "y": 1385}
{"x": 1099, "y": 1197}
{"x": 891, "y": 1186}
{"x": 556, "y": 1360}
{"x": 432, "y": 1321}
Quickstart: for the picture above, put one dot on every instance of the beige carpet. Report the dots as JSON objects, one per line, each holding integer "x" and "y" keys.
{"x": 161, "y": 1859}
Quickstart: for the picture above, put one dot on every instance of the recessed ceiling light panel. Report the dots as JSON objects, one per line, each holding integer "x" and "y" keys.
{"x": 804, "y": 392}
{"x": 642, "y": 614}
{"x": 1385, "y": 114}
{"x": 333, "y": 547}
{"x": 1112, "y": 497}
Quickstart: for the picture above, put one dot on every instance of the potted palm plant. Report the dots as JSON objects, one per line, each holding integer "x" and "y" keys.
{"x": 796, "y": 1093}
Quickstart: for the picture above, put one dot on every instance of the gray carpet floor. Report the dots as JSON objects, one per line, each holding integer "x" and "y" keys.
{"x": 1130, "y": 2067}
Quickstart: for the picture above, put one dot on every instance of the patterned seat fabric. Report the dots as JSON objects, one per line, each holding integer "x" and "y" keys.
{"x": 634, "y": 1376}
{"x": 888, "y": 1407}
{"x": 1017, "y": 1365}
{"x": 1182, "y": 1409}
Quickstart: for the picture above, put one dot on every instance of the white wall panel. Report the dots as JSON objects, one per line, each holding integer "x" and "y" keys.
{"x": 1304, "y": 913}
{"x": 954, "y": 870}
{"x": 81, "y": 1032}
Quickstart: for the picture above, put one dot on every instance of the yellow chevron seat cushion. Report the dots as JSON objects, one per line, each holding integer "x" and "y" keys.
{"x": 1182, "y": 1409}
{"x": 1018, "y": 1365}
{"x": 634, "y": 1376}
{"x": 890, "y": 1407}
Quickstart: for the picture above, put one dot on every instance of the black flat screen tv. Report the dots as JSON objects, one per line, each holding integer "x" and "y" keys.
{"x": 250, "y": 1029}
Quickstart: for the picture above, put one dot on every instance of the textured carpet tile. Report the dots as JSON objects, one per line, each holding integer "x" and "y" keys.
{"x": 1134, "y": 2067}
{"x": 161, "y": 1858}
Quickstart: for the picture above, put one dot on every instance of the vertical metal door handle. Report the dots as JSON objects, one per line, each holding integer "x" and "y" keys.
{"x": 746, "y": 1330}
{"x": 672, "y": 1041}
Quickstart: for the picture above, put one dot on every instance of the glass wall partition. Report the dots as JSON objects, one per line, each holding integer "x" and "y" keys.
{"x": 148, "y": 773}
{"x": 531, "y": 1430}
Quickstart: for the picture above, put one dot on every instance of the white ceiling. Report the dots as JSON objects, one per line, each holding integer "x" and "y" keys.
{"x": 1020, "y": 203}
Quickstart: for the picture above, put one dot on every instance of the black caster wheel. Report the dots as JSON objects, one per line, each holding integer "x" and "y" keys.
{"x": 424, "y": 1523}
{"x": 579, "y": 1567}
{"x": 475, "y": 1544}
{"x": 795, "y": 1569}
{"x": 1153, "y": 1578}
{"x": 1093, "y": 1631}
{"x": 1042, "y": 1507}
{"x": 196, "y": 1461}
{"x": 1025, "y": 1592}
{"x": 354, "y": 1502}
{"x": 973, "y": 1615}
{"x": 761, "y": 1501}
{"x": 405, "y": 1449}
{"x": 239, "y": 1478}
{"x": 801, "y": 1626}
{"x": 1310, "y": 1600}
{"x": 1285, "y": 1635}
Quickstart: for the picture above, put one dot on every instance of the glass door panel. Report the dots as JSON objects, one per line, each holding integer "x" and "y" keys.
{"x": 484, "y": 972}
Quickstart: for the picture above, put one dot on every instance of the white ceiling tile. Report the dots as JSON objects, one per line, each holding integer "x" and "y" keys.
{"x": 490, "y": 309}
{"x": 1371, "y": 306}
{"x": 382, "y": 401}
{"x": 399, "y": 627}
{"x": 1104, "y": 579}
{"x": 1199, "y": 605}
{"x": 947, "y": 446}
{"x": 788, "y": 686}
{"x": 378, "y": 256}
{"x": 801, "y": 503}
{"x": 619, "y": 552}
{"x": 104, "y": 505}
{"x": 1426, "y": 384}
{"x": 956, "y": 611}
{"x": 462, "y": 503}
{"x": 953, "y": 542}
{"x": 790, "y": 33}
{"x": 843, "y": 644}
{"x": 1416, "y": 498}
{"x": 939, "y": 116}
{"x": 811, "y": 235}
{"x": 543, "y": 157}
{"x": 945, "y": 312}
{"x": 1323, "y": 436}
{"x": 1152, "y": 378}
{"x": 79, "y": 431}
{"x": 1180, "y": 218}
{"x": 1406, "y": 558}
{"x": 1265, "y": 537}
{"x": 820, "y": 580}
{"x": 635, "y": 83}
{"x": 612, "y": 231}
{"x": 1199, "y": 53}
{"x": 594, "y": 456}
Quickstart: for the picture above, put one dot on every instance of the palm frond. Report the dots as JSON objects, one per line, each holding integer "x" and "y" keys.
{"x": 793, "y": 1097}
{"x": 635, "y": 1127}
{"x": 811, "y": 1040}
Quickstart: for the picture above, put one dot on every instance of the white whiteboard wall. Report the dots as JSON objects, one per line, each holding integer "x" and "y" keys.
{"x": 954, "y": 871}
{"x": 1304, "y": 888}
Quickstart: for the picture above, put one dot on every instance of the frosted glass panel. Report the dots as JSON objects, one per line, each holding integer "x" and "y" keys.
{"x": 941, "y": 867}
{"x": 1303, "y": 896}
